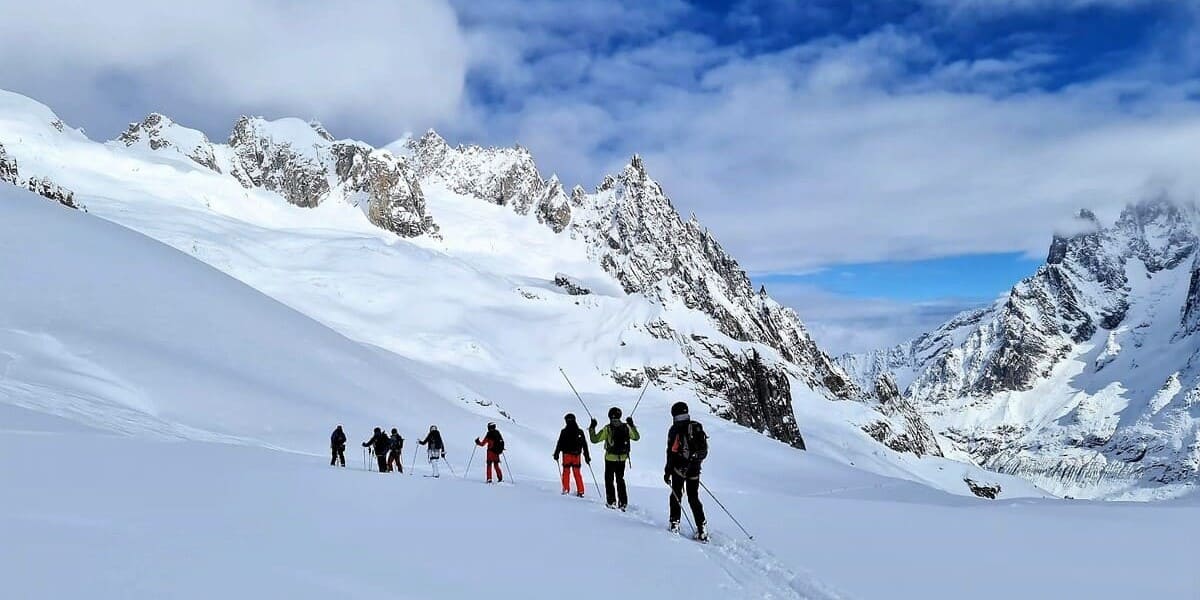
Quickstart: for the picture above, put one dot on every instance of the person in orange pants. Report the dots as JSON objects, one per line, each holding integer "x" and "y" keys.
{"x": 571, "y": 444}
{"x": 494, "y": 443}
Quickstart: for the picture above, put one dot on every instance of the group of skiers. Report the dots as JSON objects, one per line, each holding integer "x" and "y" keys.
{"x": 687, "y": 447}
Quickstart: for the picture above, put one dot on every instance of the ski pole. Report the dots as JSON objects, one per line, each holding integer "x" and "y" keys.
{"x": 508, "y": 468}
{"x": 472, "y": 459}
{"x": 640, "y": 396}
{"x": 714, "y": 497}
{"x": 594, "y": 482}
{"x": 365, "y": 466}
{"x": 451, "y": 466}
{"x": 413, "y": 466}
{"x": 585, "y": 408}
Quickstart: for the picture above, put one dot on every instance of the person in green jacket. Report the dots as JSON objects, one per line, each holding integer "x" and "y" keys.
{"x": 616, "y": 437}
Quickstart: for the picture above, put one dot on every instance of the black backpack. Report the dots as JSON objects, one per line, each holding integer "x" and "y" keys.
{"x": 618, "y": 439}
{"x": 693, "y": 445}
{"x": 497, "y": 442}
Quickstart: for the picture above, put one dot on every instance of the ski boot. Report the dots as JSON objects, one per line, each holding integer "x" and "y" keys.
{"x": 702, "y": 533}
{"x": 565, "y": 492}
{"x": 578, "y": 494}
{"x": 612, "y": 505}
{"x": 673, "y": 527}
{"x": 622, "y": 507}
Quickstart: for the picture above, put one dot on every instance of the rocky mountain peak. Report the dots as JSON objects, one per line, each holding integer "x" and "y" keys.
{"x": 158, "y": 132}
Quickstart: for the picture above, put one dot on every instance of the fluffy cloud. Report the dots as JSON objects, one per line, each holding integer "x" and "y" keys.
{"x": 395, "y": 64}
{"x": 842, "y": 324}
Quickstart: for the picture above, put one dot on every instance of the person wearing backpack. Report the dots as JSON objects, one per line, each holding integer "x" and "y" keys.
{"x": 495, "y": 447}
{"x": 337, "y": 444}
{"x": 379, "y": 442}
{"x": 616, "y": 437}
{"x": 437, "y": 450}
{"x": 571, "y": 444}
{"x": 395, "y": 449}
{"x": 687, "y": 447}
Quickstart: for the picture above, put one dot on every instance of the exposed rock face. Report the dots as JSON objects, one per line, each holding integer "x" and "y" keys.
{"x": 160, "y": 133}
{"x": 42, "y": 186}
{"x": 1082, "y": 378}
{"x": 285, "y": 165}
{"x": 303, "y": 163}
{"x": 554, "y": 208}
{"x": 570, "y": 285}
{"x": 983, "y": 490}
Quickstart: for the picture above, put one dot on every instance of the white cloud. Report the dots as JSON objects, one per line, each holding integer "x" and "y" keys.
{"x": 856, "y": 150}
{"x": 396, "y": 64}
{"x": 842, "y": 324}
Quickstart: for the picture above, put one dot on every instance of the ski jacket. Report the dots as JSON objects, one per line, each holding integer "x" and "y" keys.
{"x": 434, "y": 440}
{"x": 491, "y": 440}
{"x": 604, "y": 435}
{"x": 338, "y": 439}
{"x": 676, "y": 463}
{"x": 378, "y": 442}
{"x": 572, "y": 441}
{"x": 396, "y": 443}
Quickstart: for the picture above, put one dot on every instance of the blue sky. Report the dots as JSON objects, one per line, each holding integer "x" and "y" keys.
{"x": 879, "y": 164}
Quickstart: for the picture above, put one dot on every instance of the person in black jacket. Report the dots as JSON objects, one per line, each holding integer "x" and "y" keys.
{"x": 571, "y": 444}
{"x": 337, "y": 444}
{"x": 395, "y": 449}
{"x": 379, "y": 443}
{"x": 682, "y": 471}
{"x": 437, "y": 450}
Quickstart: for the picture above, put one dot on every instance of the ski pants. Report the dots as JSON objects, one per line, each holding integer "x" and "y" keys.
{"x": 691, "y": 485}
{"x": 614, "y": 482}
{"x": 434, "y": 457}
{"x": 394, "y": 459}
{"x": 494, "y": 459}
{"x": 571, "y": 464}
{"x": 339, "y": 454}
{"x": 383, "y": 465}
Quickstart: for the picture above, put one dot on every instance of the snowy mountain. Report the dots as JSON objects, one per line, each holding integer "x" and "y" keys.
{"x": 612, "y": 283}
{"x": 1083, "y": 377}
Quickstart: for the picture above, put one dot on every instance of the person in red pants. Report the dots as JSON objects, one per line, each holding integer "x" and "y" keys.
{"x": 571, "y": 444}
{"x": 494, "y": 443}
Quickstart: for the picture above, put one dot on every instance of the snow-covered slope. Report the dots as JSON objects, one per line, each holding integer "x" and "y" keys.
{"x": 104, "y": 332}
{"x": 1083, "y": 377}
{"x": 464, "y": 259}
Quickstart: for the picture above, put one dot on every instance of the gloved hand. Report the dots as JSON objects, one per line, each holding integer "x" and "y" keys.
{"x": 555, "y": 457}
{"x": 667, "y": 478}
{"x": 592, "y": 425}
{"x": 365, "y": 444}
{"x": 589, "y": 460}
{"x": 629, "y": 421}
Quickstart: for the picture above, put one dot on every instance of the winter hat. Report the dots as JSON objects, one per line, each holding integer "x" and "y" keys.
{"x": 394, "y": 430}
{"x": 377, "y": 430}
{"x": 433, "y": 427}
{"x": 570, "y": 418}
{"x": 679, "y": 408}
{"x": 491, "y": 426}
{"x": 614, "y": 413}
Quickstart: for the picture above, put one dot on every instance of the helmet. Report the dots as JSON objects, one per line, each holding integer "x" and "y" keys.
{"x": 377, "y": 430}
{"x": 394, "y": 430}
{"x": 433, "y": 427}
{"x": 614, "y": 413}
{"x": 570, "y": 418}
{"x": 679, "y": 408}
{"x": 491, "y": 426}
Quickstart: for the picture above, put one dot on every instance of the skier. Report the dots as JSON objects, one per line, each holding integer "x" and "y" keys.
{"x": 616, "y": 437}
{"x": 495, "y": 447}
{"x": 337, "y": 443}
{"x": 395, "y": 448}
{"x": 687, "y": 447}
{"x": 379, "y": 443}
{"x": 437, "y": 450}
{"x": 572, "y": 443}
